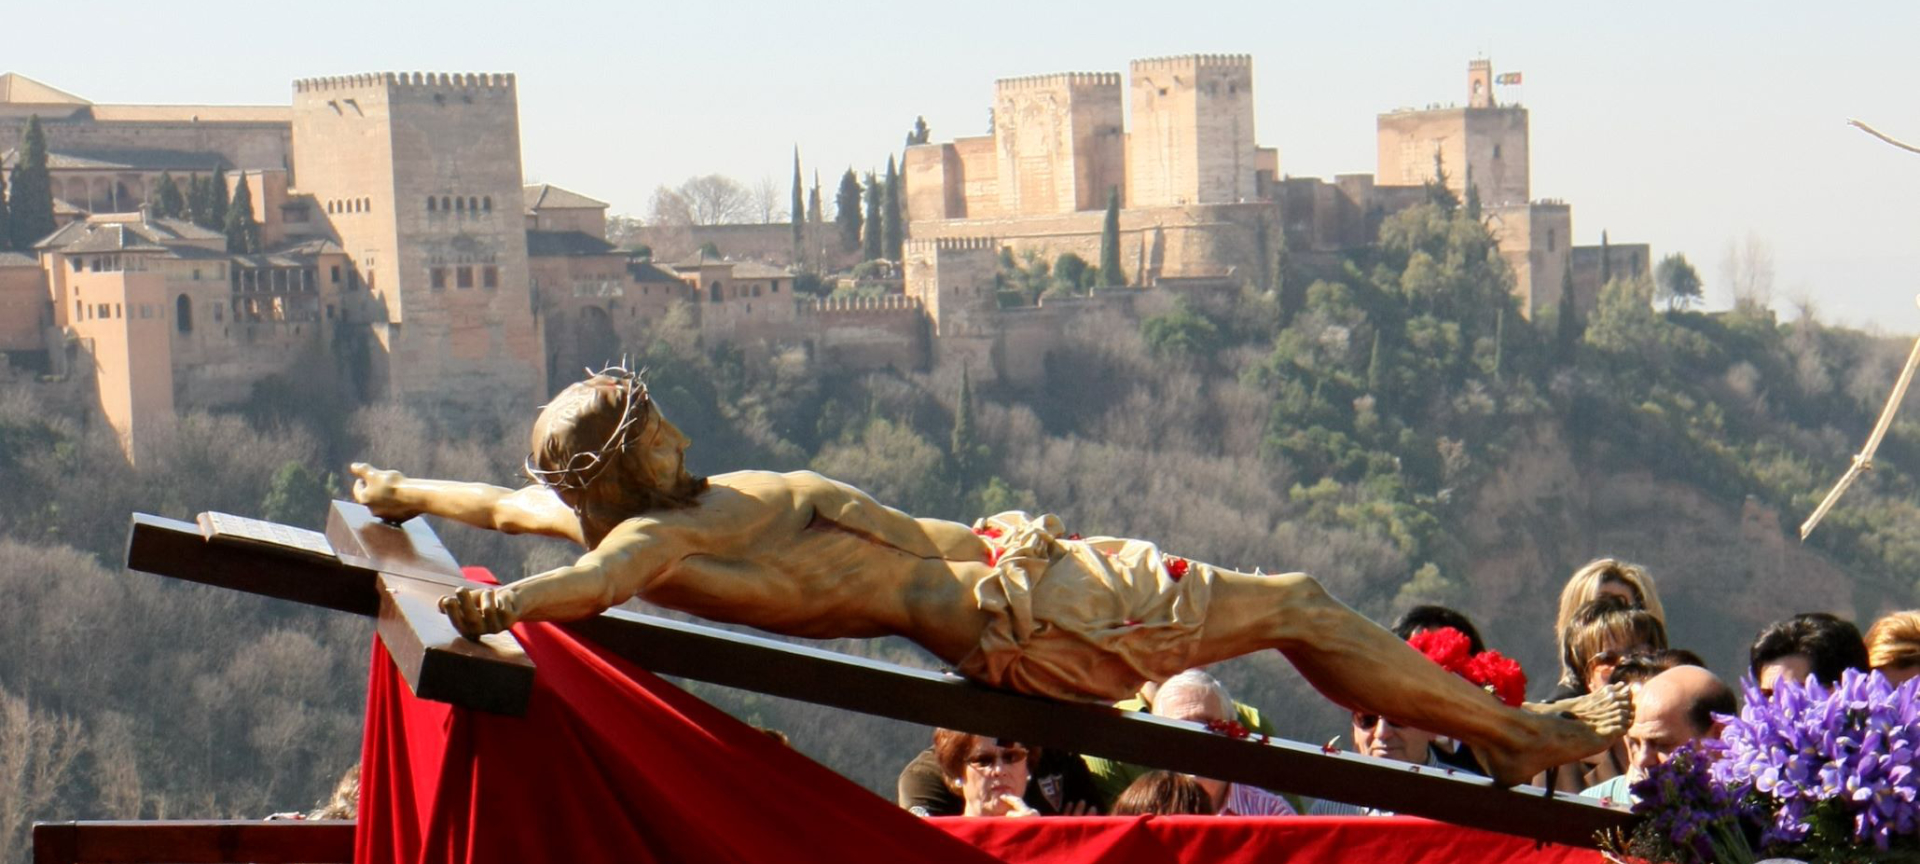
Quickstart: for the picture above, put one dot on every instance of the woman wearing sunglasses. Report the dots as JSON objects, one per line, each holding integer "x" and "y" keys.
{"x": 989, "y": 775}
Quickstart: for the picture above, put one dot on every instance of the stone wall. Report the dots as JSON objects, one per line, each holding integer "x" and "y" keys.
{"x": 770, "y": 243}
{"x": 864, "y": 334}
{"x": 979, "y": 176}
{"x": 248, "y": 144}
{"x": 24, "y": 305}
{"x": 1626, "y": 260}
{"x": 1203, "y": 240}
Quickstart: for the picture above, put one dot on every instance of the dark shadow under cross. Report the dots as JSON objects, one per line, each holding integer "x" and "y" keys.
{"x": 398, "y": 573}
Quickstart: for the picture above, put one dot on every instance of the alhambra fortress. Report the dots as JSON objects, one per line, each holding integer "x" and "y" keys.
{"x": 404, "y": 251}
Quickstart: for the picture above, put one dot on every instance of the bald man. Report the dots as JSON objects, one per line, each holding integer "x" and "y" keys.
{"x": 1673, "y": 708}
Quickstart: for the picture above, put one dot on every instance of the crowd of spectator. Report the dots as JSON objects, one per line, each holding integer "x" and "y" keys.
{"x": 1611, "y": 629}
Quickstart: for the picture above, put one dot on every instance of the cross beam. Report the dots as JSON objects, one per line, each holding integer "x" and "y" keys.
{"x": 361, "y": 579}
{"x": 397, "y": 574}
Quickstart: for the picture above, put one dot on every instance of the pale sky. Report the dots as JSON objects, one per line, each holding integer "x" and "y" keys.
{"x": 1683, "y": 125}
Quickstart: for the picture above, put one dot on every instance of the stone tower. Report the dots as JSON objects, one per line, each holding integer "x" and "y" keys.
{"x": 1058, "y": 142}
{"x": 1486, "y": 140}
{"x": 420, "y": 176}
{"x": 1479, "y": 84}
{"x": 1192, "y": 140}
{"x": 953, "y": 278}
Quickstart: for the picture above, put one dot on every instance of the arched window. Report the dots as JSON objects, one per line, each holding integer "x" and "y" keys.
{"x": 713, "y": 292}
{"x": 183, "y": 314}
{"x": 473, "y": 204}
{"x": 460, "y": 204}
{"x": 446, "y": 203}
{"x": 431, "y": 203}
{"x": 487, "y": 204}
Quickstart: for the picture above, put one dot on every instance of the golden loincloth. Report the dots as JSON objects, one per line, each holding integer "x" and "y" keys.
{"x": 1082, "y": 619}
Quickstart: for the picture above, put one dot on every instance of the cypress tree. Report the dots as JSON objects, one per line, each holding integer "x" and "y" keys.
{"x": 1473, "y": 196}
{"x": 1437, "y": 191}
{"x": 813, "y": 224}
{"x": 166, "y": 200}
{"x": 243, "y": 233}
{"x": 1606, "y": 260}
{"x": 1374, "y": 371}
{"x": 197, "y": 200}
{"x": 799, "y": 215}
{"x": 846, "y": 211}
{"x": 964, "y": 448}
{"x": 203, "y": 206}
{"x": 895, "y": 233}
{"x": 1110, "y": 273}
{"x": 32, "y": 200}
{"x": 1499, "y": 339}
{"x": 875, "y": 247}
{"x": 1567, "y": 329}
{"x": 217, "y": 199}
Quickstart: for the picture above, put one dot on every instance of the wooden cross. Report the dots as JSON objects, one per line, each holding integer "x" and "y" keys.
{"x": 398, "y": 573}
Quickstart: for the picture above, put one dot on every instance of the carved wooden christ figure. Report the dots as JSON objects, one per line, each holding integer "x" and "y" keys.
{"x": 1015, "y": 602}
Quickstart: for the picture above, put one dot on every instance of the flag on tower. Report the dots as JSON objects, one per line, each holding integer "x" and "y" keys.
{"x": 1507, "y": 78}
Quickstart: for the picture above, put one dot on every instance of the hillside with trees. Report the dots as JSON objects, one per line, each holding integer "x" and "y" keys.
{"x": 1389, "y": 423}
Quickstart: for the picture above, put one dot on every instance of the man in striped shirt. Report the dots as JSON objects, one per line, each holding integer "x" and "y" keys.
{"x": 1197, "y": 697}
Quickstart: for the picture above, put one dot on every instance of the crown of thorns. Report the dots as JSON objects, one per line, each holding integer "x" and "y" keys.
{"x": 583, "y": 467}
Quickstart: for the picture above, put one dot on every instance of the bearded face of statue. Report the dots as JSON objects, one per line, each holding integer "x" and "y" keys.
{"x": 604, "y": 439}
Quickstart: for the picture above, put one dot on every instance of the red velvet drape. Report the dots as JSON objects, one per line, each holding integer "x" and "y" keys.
{"x": 613, "y": 764}
{"x": 1216, "y": 840}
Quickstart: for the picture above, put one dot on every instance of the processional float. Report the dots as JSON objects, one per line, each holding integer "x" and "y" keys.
{"x": 397, "y": 575}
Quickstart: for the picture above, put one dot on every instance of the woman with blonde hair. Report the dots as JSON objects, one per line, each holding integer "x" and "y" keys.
{"x": 1601, "y": 634}
{"x": 1893, "y": 646}
{"x": 1599, "y": 577}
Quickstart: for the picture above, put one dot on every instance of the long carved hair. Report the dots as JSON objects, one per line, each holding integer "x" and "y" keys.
{"x": 584, "y": 449}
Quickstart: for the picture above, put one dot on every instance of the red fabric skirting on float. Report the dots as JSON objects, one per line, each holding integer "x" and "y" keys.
{"x": 613, "y": 764}
{"x": 1238, "y": 840}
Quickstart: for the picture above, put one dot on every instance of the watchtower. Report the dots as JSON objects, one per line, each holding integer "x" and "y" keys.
{"x": 1059, "y": 142}
{"x": 953, "y": 280}
{"x": 1192, "y": 140}
{"x": 1485, "y": 141}
{"x": 1480, "y": 84}
{"x": 419, "y": 174}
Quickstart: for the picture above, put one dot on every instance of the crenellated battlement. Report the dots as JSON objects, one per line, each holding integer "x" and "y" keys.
{"x": 953, "y": 244}
{"x": 1191, "y": 62}
{"x": 894, "y": 303}
{"x": 1071, "y": 80}
{"x": 402, "y": 80}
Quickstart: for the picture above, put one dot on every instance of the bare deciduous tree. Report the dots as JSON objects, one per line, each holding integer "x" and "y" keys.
{"x": 766, "y": 202}
{"x": 37, "y": 754}
{"x": 1747, "y": 267}
{"x": 669, "y": 207}
{"x": 714, "y": 199}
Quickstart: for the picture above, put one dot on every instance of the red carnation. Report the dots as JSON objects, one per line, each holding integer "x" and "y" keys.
{"x": 1499, "y": 674}
{"x": 1229, "y": 728}
{"x": 1446, "y": 646}
{"x": 1176, "y": 566}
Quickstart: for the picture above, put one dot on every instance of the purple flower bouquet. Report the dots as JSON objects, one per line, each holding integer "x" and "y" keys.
{"x": 1806, "y": 772}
